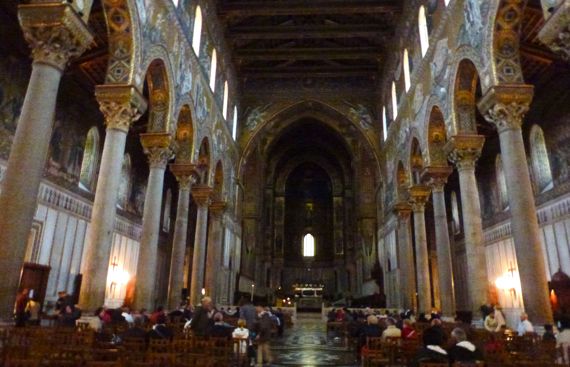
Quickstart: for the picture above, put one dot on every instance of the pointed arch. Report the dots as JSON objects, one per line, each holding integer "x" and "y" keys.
{"x": 416, "y": 161}
{"x": 308, "y": 245}
{"x": 436, "y": 138}
{"x": 185, "y": 135}
{"x": 464, "y": 96}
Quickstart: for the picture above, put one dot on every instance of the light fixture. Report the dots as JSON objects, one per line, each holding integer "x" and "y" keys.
{"x": 203, "y": 291}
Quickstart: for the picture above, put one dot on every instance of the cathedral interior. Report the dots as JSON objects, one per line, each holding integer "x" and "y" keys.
{"x": 405, "y": 154}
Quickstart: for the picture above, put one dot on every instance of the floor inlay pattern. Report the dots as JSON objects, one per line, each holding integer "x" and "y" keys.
{"x": 307, "y": 345}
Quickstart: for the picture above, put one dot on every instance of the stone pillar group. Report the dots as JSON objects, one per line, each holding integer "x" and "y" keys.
{"x": 202, "y": 198}
{"x": 56, "y": 34}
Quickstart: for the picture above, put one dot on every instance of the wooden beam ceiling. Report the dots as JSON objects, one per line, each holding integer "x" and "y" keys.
{"x": 307, "y": 31}
{"x": 309, "y": 72}
{"x": 317, "y": 53}
{"x": 295, "y": 7}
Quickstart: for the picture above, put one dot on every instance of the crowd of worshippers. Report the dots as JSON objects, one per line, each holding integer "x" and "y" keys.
{"x": 437, "y": 344}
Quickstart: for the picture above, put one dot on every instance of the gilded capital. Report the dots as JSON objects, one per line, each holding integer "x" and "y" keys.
{"x": 436, "y": 177}
{"x": 158, "y": 148}
{"x": 185, "y": 174}
{"x": 121, "y": 104}
{"x": 556, "y": 31}
{"x": 464, "y": 150}
{"x": 505, "y": 105}
{"x": 419, "y": 195}
{"x": 54, "y": 31}
{"x": 202, "y": 195}
{"x": 217, "y": 208}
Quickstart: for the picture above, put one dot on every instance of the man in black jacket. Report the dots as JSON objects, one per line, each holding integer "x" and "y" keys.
{"x": 203, "y": 320}
{"x": 463, "y": 350}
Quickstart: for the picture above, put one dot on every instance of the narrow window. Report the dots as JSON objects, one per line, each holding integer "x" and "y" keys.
{"x": 225, "y": 105}
{"x": 540, "y": 163}
{"x": 406, "y": 63}
{"x": 424, "y": 37}
{"x": 213, "y": 69}
{"x": 308, "y": 245}
{"x": 235, "y": 122}
{"x": 197, "y": 32}
{"x": 394, "y": 102}
{"x": 384, "y": 123}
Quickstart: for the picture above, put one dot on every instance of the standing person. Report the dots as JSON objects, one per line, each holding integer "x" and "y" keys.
{"x": 63, "y": 301}
{"x": 524, "y": 325}
{"x": 203, "y": 319}
{"x": 33, "y": 311}
{"x": 20, "y": 313}
{"x": 263, "y": 328}
{"x": 247, "y": 312}
{"x": 500, "y": 317}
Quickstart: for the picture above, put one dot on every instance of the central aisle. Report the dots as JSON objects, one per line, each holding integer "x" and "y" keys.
{"x": 306, "y": 344}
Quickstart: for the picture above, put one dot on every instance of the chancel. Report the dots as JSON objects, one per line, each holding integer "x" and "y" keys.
{"x": 309, "y": 183}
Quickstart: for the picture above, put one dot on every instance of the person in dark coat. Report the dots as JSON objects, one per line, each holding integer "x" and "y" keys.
{"x": 248, "y": 313}
{"x": 70, "y": 315}
{"x": 220, "y": 329}
{"x": 432, "y": 351}
{"x": 63, "y": 301}
{"x": 463, "y": 350}
{"x": 20, "y": 308}
{"x": 160, "y": 330}
{"x": 263, "y": 329}
{"x": 203, "y": 320}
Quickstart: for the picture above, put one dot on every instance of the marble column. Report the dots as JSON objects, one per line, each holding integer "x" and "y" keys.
{"x": 158, "y": 148}
{"x": 418, "y": 197}
{"x": 555, "y": 32}
{"x": 406, "y": 256}
{"x": 436, "y": 178}
{"x": 185, "y": 174}
{"x": 121, "y": 105}
{"x": 55, "y": 34}
{"x": 215, "y": 245}
{"x": 464, "y": 150}
{"x": 201, "y": 194}
{"x": 505, "y": 108}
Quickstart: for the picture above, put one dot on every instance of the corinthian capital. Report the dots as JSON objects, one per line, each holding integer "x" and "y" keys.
{"x": 436, "y": 177}
{"x": 185, "y": 174}
{"x": 464, "y": 150}
{"x": 158, "y": 148}
{"x": 505, "y": 105}
{"x": 121, "y": 105}
{"x": 54, "y": 31}
{"x": 202, "y": 195}
{"x": 556, "y": 31}
{"x": 419, "y": 195}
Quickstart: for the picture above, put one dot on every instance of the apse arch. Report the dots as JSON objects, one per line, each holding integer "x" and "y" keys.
{"x": 158, "y": 88}
{"x": 466, "y": 84}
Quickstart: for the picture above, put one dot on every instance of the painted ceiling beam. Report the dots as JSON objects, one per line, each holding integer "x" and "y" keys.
{"x": 306, "y": 31}
{"x": 321, "y": 53}
{"x": 264, "y": 8}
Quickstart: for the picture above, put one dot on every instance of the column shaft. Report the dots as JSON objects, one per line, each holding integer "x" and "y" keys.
{"x": 526, "y": 232}
{"x": 23, "y": 176}
{"x": 424, "y": 293}
{"x": 146, "y": 268}
{"x": 474, "y": 246}
{"x": 198, "y": 259}
{"x": 407, "y": 268}
{"x": 447, "y": 294}
{"x": 100, "y": 235}
{"x": 213, "y": 256}
{"x": 176, "y": 280}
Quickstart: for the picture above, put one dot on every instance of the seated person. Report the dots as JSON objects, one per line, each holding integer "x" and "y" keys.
{"x": 135, "y": 331}
{"x": 220, "y": 328}
{"x": 409, "y": 331}
{"x": 463, "y": 350}
{"x": 370, "y": 330}
{"x": 391, "y": 330}
{"x": 160, "y": 330}
{"x": 70, "y": 315}
{"x": 432, "y": 351}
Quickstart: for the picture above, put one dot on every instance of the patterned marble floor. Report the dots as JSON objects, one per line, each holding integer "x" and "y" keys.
{"x": 307, "y": 345}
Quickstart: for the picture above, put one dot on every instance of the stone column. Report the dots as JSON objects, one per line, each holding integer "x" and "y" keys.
{"x": 201, "y": 195}
{"x": 556, "y": 30}
{"x": 406, "y": 256}
{"x": 464, "y": 150}
{"x": 56, "y": 34}
{"x": 418, "y": 197}
{"x": 121, "y": 105}
{"x": 157, "y": 147}
{"x": 215, "y": 244}
{"x": 505, "y": 108}
{"x": 186, "y": 176}
{"x": 436, "y": 178}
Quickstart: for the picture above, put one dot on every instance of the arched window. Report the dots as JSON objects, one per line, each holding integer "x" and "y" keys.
{"x": 424, "y": 37}
{"x": 197, "y": 32}
{"x": 234, "y": 124}
{"x": 394, "y": 102}
{"x": 225, "y": 104}
{"x": 166, "y": 213}
{"x": 125, "y": 183}
{"x": 539, "y": 157}
{"x": 406, "y": 63}
{"x": 455, "y": 213}
{"x": 90, "y": 160}
{"x": 213, "y": 69}
{"x": 502, "y": 192}
{"x": 446, "y": 2}
{"x": 175, "y": 2}
{"x": 309, "y": 245}
{"x": 384, "y": 123}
